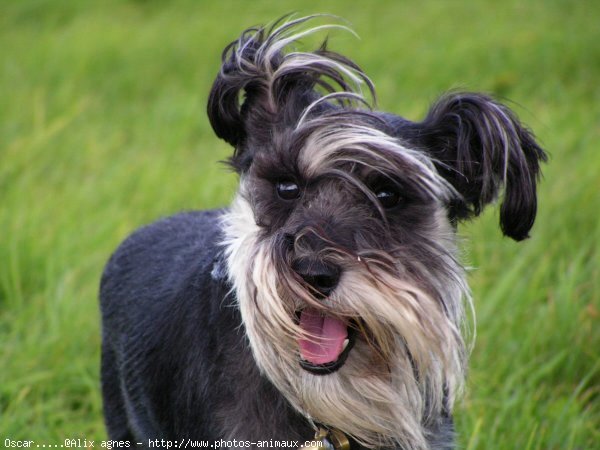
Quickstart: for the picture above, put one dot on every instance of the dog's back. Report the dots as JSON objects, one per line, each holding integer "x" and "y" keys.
{"x": 143, "y": 290}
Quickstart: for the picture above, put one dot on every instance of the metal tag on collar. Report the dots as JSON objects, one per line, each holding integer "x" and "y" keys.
{"x": 328, "y": 439}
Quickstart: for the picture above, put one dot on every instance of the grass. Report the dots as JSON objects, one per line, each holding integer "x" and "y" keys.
{"x": 102, "y": 129}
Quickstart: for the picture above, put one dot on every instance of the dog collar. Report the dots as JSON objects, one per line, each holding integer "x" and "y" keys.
{"x": 329, "y": 439}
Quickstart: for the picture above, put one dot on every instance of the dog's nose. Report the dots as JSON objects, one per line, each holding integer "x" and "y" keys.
{"x": 322, "y": 277}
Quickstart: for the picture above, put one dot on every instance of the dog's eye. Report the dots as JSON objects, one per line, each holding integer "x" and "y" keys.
{"x": 287, "y": 190}
{"x": 388, "y": 197}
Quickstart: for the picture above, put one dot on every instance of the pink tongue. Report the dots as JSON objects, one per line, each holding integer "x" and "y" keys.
{"x": 325, "y": 337}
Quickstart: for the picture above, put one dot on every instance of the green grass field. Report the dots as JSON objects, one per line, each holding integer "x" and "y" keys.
{"x": 103, "y": 129}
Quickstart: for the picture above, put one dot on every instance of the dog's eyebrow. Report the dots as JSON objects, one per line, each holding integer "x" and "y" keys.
{"x": 277, "y": 164}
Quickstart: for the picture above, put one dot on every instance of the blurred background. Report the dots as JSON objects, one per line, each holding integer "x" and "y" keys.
{"x": 103, "y": 129}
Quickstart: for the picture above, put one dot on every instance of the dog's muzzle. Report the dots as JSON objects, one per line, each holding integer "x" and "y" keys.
{"x": 328, "y": 339}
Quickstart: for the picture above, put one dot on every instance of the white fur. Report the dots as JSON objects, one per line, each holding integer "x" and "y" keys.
{"x": 382, "y": 406}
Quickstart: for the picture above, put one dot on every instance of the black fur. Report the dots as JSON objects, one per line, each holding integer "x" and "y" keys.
{"x": 477, "y": 143}
{"x": 474, "y": 142}
{"x": 266, "y": 105}
{"x": 176, "y": 361}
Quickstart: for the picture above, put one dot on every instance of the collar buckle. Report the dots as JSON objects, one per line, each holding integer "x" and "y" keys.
{"x": 329, "y": 439}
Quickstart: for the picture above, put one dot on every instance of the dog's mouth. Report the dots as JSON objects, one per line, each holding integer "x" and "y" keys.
{"x": 328, "y": 342}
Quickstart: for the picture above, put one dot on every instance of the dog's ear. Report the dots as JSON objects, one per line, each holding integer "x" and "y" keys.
{"x": 252, "y": 92}
{"x": 480, "y": 147}
{"x": 262, "y": 84}
{"x": 225, "y": 98}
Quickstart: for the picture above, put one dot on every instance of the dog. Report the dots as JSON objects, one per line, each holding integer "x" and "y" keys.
{"x": 328, "y": 301}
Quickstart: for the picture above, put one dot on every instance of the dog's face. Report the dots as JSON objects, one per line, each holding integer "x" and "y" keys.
{"x": 341, "y": 240}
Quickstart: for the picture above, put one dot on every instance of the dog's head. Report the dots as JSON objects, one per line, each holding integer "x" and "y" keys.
{"x": 341, "y": 240}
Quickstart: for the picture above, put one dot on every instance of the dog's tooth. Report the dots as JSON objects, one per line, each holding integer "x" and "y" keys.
{"x": 346, "y": 342}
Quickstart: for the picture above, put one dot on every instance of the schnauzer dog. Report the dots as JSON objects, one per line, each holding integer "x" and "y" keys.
{"x": 329, "y": 296}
